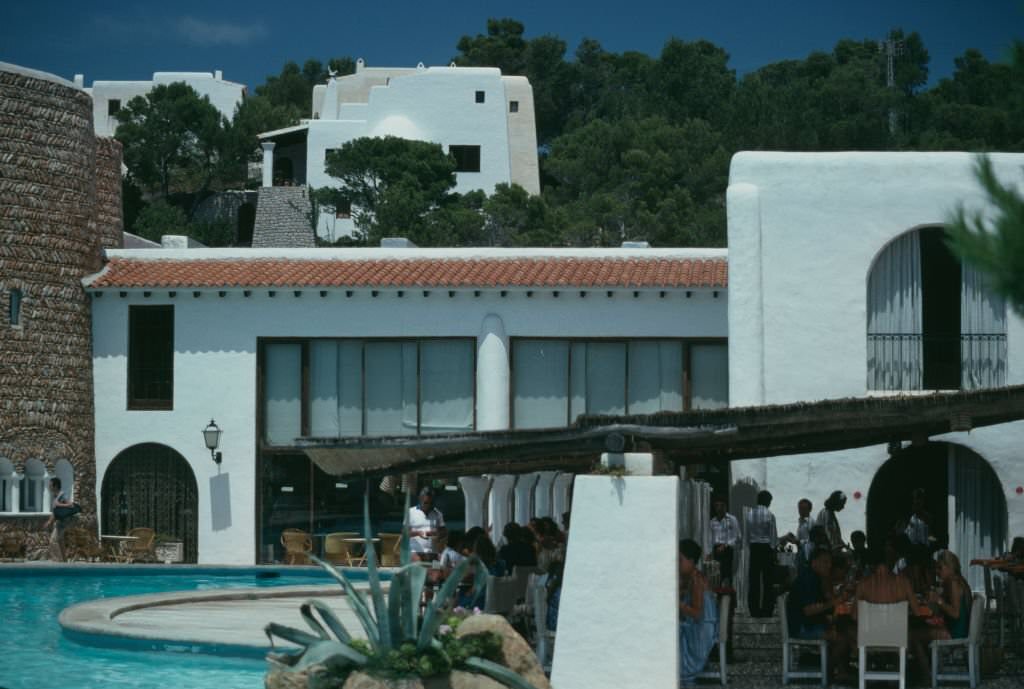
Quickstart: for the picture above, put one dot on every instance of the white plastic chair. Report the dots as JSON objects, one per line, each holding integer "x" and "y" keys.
{"x": 882, "y": 626}
{"x": 789, "y": 645}
{"x": 544, "y": 642}
{"x": 972, "y": 643}
{"x": 723, "y": 637}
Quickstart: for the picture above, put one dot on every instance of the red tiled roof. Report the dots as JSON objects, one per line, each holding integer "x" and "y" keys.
{"x": 412, "y": 273}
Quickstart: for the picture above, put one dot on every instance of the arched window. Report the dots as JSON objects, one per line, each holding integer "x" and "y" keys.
{"x": 7, "y": 481}
{"x": 933, "y": 324}
{"x": 33, "y": 487}
{"x": 66, "y": 473}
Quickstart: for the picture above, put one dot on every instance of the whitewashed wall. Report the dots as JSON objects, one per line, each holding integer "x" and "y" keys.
{"x": 215, "y": 360}
{"x": 804, "y": 229}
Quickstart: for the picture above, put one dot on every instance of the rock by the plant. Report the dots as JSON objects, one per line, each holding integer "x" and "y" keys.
{"x": 361, "y": 680}
{"x": 279, "y": 678}
{"x": 516, "y": 653}
{"x": 470, "y": 680}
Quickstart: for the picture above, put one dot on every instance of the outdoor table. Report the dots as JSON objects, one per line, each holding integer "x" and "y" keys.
{"x": 374, "y": 541}
{"x": 118, "y": 546}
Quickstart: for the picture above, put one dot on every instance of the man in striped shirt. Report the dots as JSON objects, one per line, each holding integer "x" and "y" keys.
{"x": 725, "y": 534}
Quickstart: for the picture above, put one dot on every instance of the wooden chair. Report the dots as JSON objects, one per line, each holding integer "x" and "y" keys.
{"x": 142, "y": 547}
{"x": 390, "y": 549}
{"x": 80, "y": 544}
{"x": 882, "y": 626}
{"x": 297, "y": 546}
{"x": 790, "y": 644}
{"x": 340, "y": 550}
{"x": 721, "y": 674}
{"x": 972, "y": 643}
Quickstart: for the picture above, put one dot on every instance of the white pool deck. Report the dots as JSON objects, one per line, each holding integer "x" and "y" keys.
{"x": 219, "y": 617}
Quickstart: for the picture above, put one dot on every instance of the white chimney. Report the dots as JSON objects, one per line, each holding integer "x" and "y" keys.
{"x": 79, "y": 81}
{"x": 218, "y": 75}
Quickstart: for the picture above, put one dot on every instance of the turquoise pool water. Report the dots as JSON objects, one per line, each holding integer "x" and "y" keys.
{"x": 35, "y": 654}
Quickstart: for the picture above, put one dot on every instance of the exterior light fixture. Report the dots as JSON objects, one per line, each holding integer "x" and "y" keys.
{"x": 211, "y": 436}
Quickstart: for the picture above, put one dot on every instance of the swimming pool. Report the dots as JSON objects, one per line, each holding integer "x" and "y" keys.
{"x": 35, "y": 654}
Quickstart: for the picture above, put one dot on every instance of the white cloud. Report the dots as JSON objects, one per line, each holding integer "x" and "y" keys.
{"x": 204, "y": 32}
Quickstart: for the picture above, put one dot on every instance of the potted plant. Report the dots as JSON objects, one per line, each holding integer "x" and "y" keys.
{"x": 168, "y": 549}
{"x": 403, "y": 649}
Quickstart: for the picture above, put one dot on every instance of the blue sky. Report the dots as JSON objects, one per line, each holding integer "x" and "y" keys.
{"x": 249, "y": 40}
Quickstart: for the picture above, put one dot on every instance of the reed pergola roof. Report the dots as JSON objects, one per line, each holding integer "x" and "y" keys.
{"x": 681, "y": 438}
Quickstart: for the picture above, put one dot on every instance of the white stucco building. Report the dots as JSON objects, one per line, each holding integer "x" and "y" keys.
{"x": 280, "y": 344}
{"x": 108, "y": 97}
{"x": 483, "y": 119}
{"x": 841, "y": 286}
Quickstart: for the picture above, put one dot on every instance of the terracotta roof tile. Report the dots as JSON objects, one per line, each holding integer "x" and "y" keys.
{"x": 412, "y": 273}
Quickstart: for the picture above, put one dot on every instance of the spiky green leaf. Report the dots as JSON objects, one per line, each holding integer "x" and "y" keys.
{"x": 376, "y": 593}
{"x": 287, "y": 633}
{"x": 328, "y": 617}
{"x": 329, "y": 653}
{"x": 498, "y": 673}
{"x": 434, "y": 615}
{"x": 356, "y": 600}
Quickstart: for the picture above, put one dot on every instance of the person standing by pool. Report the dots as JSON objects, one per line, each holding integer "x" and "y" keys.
{"x": 426, "y": 526}
{"x": 57, "y": 526}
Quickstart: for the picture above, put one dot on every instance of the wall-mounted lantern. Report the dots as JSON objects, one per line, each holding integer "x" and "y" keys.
{"x": 211, "y": 436}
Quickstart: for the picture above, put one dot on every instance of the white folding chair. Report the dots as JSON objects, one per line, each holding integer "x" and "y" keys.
{"x": 791, "y": 645}
{"x": 972, "y": 643}
{"x": 723, "y": 637}
{"x": 882, "y": 626}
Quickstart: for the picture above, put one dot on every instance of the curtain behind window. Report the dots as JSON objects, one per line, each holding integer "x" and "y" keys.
{"x": 980, "y": 512}
{"x": 335, "y": 388}
{"x": 606, "y": 378}
{"x": 446, "y": 385}
{"x": 655, "y": 376}
{"x": 709, "y": 376}
{"x": 282, "y": 393}
{"x": 895, "y": 353}
{"x": 390, "y": 388}
{"x": 541, "y": 383}
{"x": 983, "y": 333}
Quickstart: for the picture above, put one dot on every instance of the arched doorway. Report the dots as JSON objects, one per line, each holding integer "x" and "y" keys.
{"x": 152, "y": 485}
{"x": 963, "y": 495}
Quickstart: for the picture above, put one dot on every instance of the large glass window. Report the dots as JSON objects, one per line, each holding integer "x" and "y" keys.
{"x": 709, "y": 376}
{"x": 367, "y": 387}
{"x": 554, "y": 381}
{"x": 150, "y": 357}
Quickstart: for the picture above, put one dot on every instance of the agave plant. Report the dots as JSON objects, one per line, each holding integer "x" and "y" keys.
{"x": 390, "y": 625}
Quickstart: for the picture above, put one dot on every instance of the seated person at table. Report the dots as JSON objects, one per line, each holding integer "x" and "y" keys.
{"x": 818, "y": 539}
{"x": 518, "y": 550}
{"x": 809, "y": 605}
{"x": 452, "y": 554}
{"x": 919, "y": 570}
{"x": 953, "y": 604}
{"x": 882, "y": 586}
{"x": 698, "y": 615}
{"x": 859, "y": 554}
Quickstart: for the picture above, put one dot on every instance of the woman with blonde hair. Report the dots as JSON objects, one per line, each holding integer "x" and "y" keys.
{"x": 953, "y": 604}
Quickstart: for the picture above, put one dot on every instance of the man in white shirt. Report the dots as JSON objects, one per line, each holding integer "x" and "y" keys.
{"x": 725, "y": 534}
{"x": 762, "y": 538}
{"x": 803, "y": 525}
{"x": 918, "y": 525}
{"x": 426, "y": 526}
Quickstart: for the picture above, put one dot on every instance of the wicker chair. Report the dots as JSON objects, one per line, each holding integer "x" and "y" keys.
{"x": 339, "y": 549}
{"x": 80, "y": 544}
{"x": 141, "y": 549}
{"x": 297, "y": 546}
{"x": 390, "y": 545}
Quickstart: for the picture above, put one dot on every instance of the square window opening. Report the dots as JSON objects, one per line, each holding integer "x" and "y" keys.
{"x": 150, "y": 357}
{"x": 14, "y": 307}
{"x": 467, "y": 158}
{"x": 343, "y": 210}
{"x": 113, "y": 107}
{"x": 513, "y": 106}
{"x": 480, "y": 96}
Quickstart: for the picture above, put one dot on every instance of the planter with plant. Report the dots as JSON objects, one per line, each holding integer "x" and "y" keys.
{"x": 402, "y": 648}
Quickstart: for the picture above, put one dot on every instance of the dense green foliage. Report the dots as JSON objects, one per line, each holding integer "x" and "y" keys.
{"x": 637, "y": 146}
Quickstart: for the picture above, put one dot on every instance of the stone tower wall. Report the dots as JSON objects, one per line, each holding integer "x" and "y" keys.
{"x": 59, "y": 203}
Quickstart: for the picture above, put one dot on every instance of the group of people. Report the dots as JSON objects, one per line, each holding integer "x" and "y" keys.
{"x": 912, "y": 565}
{"x": 539, "y": 546}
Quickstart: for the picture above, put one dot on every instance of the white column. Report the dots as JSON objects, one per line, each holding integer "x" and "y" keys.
{"x": 644, "y": 625}
{"x": 499, "y": 504}
{"x": 268, "y": 163}
{"x": 47, "y": 498}
{"x": 475, "y": 489}
{"x": 16, "y": 492}
{"x": 524, "y": 497}
{"x": 542, "y": 498}
{"x": 560, "y": 497}
{"x": 492, "y": 376}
